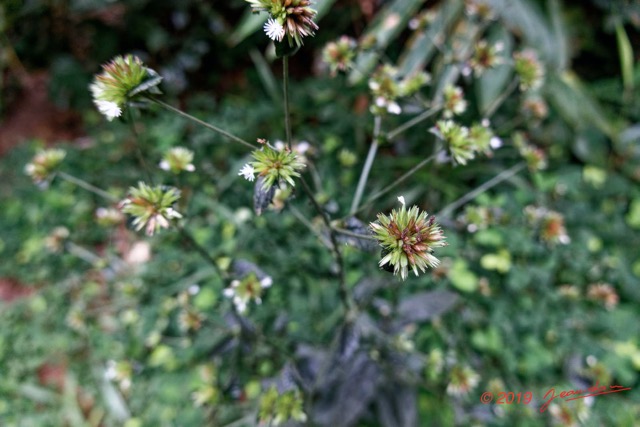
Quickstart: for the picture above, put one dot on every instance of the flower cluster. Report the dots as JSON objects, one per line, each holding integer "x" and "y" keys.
{"x": 276, "y": 408}
{"x": 464, "y": 143}
{"x": 529, "y": 69}
{"x": 387, "y": 87}
{"x": 453, "y": 101}
{"x": 462, "y": 380}
{"x": 408, "y": 238}
{"x": 120, "y": 372}
{"x": 535, "y": 157}
{"x": 480, "y": 8}
{"x": 247, "y": 289}
{"x": 121, "y": 80}
{"x": 43, "y": 165}
{"x": 291, "y": 18}
{"x": 178, "y": 159}
{"x": 339, "y": 54}
{"x": 151, "y": 207}
{"x": 273, "y": 165}
{"x": 604, "y": 293}
{"x": 108, "y": 217}
{"x": 551, "y": 223}
{"x": 485, "y": 56}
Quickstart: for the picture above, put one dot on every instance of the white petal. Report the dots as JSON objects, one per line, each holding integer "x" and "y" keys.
{"x": 401, "y": 200}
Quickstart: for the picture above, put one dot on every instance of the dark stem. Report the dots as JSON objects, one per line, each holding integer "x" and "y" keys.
{"x": 201, "y": 123}
{"x": 201, "y": 251}
{"x": 285, "y": 86}
{"x": 139, "y": 155}
{"x": 344, "y": 293}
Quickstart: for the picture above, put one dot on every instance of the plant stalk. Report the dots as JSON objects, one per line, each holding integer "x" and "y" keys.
{"x": 414, "y": 121}
{"x": 502, "y": 176}
{"x": 202, "y": 123}
{"x": 364, "y": 175}
{"x": 85, "y": 185}
{"x": 344, "y": 293}
{"x": 285, "y": 88}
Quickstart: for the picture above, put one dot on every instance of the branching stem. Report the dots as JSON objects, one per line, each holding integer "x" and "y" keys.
{"x": 202, "y": 123}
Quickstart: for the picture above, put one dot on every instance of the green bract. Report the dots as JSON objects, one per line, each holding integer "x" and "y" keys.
{"x": 276, "y": 165}
{"x": 151, "y": 207}
{"x": 43, "y": 165}
{"x": 121, "y": 80}
{"x": 293, "y": 18}
{"x": 408, "y": 238}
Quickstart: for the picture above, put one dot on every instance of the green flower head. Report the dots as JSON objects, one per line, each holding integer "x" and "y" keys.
{"x": 276, "y": 408}
{"x": 529, "y": 69}
{"x": 290, "y": 18}
{"x": 43, "y": 165}
{"x": 178, "y": 159}
{"x": 408, "y": 238}
{"x": 151, "y": 207}
{"x": 121, "y": 80}
{"x": 273, "y": 165}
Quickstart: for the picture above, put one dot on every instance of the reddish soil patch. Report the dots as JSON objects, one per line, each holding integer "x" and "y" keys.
{"x": 11, "y": 289}
{"x": 33, "y": 115}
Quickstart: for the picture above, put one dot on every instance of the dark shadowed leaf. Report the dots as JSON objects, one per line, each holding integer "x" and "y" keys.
{"x": 348, "y": 393}
{"x": 262, "y": 198}
{"x": 348, "y": 341}
{"x": 425, "y": 306}
{"x": 397, "y": 406}
{"x": 354, "y": 225}
{"x": 364, "y": 291}
{"x": 242, "y": 268}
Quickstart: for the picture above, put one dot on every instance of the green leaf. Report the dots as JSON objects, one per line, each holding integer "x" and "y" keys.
{"x": 462, "y": 278}
{"x": 489, "y": 340}
{"x": 579, "y": 108}
{"x": 421, "y": 47}
{"x": 388, "y": 23}
{"x": 626, "y": 56}
{"x": 493, "y": 82}
{"x": 633, "y": 217}
{"x": 501, "y": 261}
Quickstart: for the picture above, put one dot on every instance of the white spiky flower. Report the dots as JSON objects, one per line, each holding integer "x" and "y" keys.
{"x": 274, "y": 30}
{"x": 109, "y": 109}
{"x": 248, "y": 172}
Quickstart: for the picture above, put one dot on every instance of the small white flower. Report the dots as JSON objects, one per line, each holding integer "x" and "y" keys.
{"x": 495, "y": 142}
{"x": 194, "y": 289}
{"x": 247, "y": 172}
{"x": 164, "y": 165}
{"x": 274, "y": 30}
{"x": 109, "y": 109}
{"x": 393, "y": 108}
{"x": 266, "y": 282}
{"x": 401, "y": 200}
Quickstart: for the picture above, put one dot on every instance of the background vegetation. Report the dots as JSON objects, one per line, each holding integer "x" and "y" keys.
{"x": 103, "y": 326}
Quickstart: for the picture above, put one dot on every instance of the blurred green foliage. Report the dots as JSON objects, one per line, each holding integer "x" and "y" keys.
{"x": 103, "y": 340}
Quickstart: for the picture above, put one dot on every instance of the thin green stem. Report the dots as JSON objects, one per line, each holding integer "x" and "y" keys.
{"x": 352, "y": 234}
{"x": 201, "y": 251}
{"x": 138, "y": 150}
{"x": 491, "y": 109}
{"x": 201, "y": 123}
{"x": 85, "y": 185}
{"x": 416, "y": 120}
{"x": 344, "y": 293}
{"x": 285, "y": 88}
{"x": 296, "y": 212}
{"x": 397, "y": 182}
{"x": 502, "y": 176}
{"x": 364, "y": 175}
